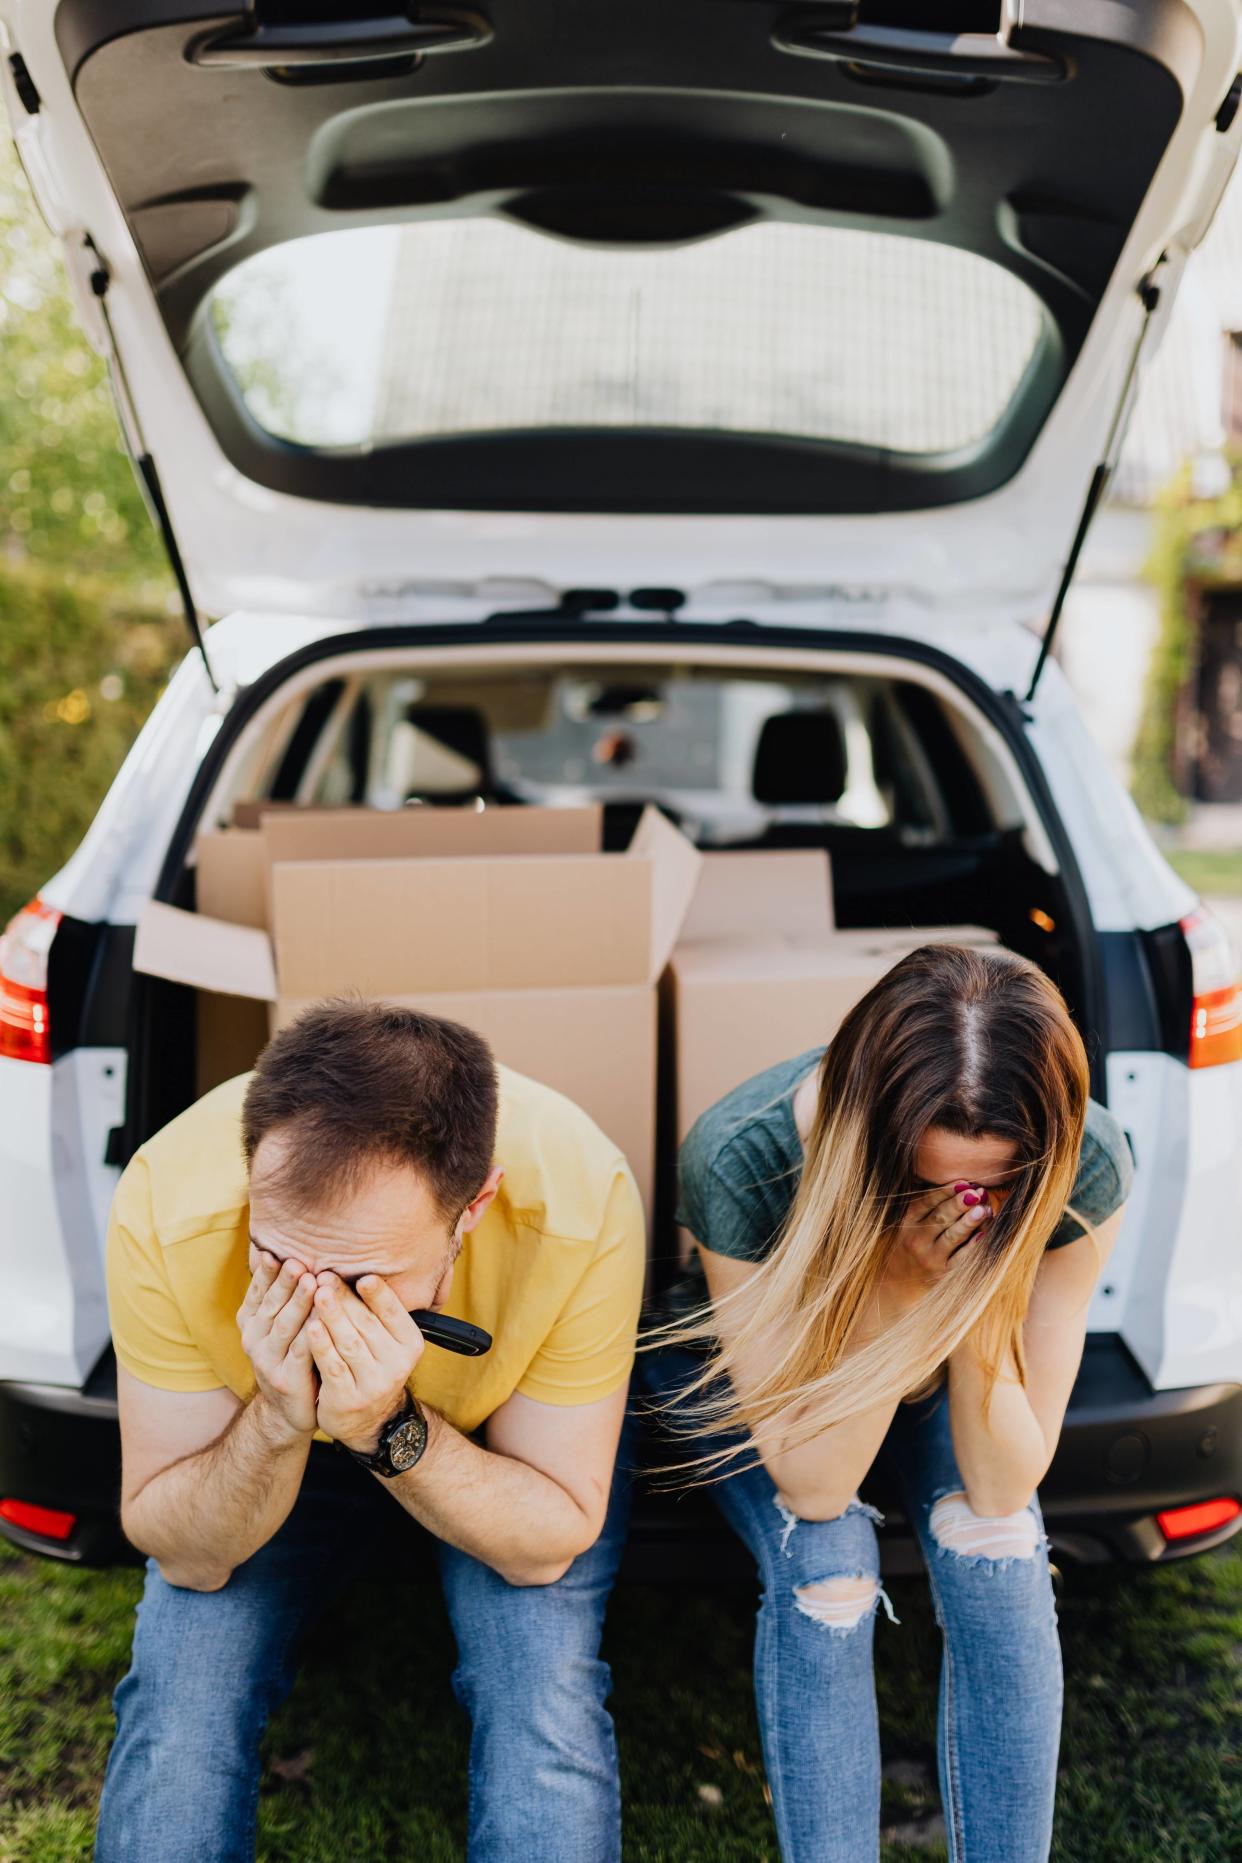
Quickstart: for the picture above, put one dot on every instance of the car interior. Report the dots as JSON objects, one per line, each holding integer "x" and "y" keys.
{"x": 872, "y": 769}
{"x": 921, "y": 825}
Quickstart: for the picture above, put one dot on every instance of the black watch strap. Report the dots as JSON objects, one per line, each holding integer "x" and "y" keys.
{"x": 401, "y": 1443}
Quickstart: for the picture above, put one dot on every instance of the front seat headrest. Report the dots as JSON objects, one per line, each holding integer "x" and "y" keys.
{"x": 800, "y": 759}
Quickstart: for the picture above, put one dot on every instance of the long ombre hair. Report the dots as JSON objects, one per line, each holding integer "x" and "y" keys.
{"x": 969, "y": 1041}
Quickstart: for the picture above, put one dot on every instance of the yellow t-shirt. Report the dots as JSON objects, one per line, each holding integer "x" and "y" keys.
{"x": 554, "y": 1270}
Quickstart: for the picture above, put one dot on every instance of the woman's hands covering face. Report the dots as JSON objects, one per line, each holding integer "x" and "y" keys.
{"x": 937, "y": 1223}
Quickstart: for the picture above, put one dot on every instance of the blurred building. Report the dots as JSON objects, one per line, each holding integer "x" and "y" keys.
{"x": 1189, "y": 409}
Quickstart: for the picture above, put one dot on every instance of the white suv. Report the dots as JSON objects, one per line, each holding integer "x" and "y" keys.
{"x": 578, "y": 419}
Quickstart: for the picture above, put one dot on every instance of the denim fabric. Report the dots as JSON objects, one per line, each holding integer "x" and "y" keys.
{"x": 208, "y": 1668}
{"x": 1000, "y": 1678}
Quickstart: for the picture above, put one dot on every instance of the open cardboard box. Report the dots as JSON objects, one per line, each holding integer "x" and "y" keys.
{"x": 234, "y": 864}
{"x": 552, "y": 956}
{"x": 233, "y": 869}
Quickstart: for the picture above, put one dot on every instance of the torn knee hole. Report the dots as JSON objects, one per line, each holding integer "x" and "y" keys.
{"x": 840, "y": 1602}
{"x": 956, "y": 1525}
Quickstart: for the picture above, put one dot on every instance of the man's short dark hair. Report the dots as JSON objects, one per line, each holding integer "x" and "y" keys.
{"x": 352, "y": 1083}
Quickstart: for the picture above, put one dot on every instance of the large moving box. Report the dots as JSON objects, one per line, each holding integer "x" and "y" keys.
{"x": 759, "y": 974}
{"x": 233, "y": 868}
{"x": 552, "y": 956}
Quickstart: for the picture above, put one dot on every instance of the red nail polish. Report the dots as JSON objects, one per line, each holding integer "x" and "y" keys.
{"x": 959, "y": 1188}
{"x": 970, "y": 1199}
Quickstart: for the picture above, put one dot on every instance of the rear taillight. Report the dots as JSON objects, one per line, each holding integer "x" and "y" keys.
{"x": 50, "y": 1523}
{"x": 24, "y": 1031}
{"x": 1216, "y": 1013}
{"x": 1183, "y": 1523}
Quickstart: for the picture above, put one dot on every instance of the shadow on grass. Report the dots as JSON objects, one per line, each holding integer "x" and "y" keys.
{"x": 367, "y": 1760}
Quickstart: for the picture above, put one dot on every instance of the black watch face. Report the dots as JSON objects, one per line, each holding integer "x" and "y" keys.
{"x": 407, "y": 1442}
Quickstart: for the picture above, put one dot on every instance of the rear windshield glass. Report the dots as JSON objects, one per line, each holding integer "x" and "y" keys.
{"x": 469, "y": 326}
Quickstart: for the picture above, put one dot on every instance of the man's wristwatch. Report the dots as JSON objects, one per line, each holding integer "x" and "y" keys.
{"x": 401, "y": 1444}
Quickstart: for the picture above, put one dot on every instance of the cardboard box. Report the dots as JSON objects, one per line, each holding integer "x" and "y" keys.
{"x": 234, "y": 868}
{"x": 760, "y": 975}
{"x": 233, "y": 864}
{"x": 762, "y": 890}
{"x": 553, "y": 958}
{"x": 745, "y": 990}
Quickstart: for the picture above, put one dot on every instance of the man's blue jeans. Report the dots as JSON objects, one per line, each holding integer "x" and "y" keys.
{"x": 208, "y": 1668}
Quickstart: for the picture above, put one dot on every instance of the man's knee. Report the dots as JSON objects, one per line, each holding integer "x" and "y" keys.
{"x": 957, "y": 1528}
{"x": 559, "y": 1690}
{"x": 211, "y": 1661}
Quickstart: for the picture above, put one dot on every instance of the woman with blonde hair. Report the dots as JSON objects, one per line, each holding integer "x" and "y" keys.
{"x": 896, "y": 1241}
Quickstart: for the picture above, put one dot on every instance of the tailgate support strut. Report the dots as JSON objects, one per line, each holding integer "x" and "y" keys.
{"x": 1149, "y": 297}
{"x": 145, "y": 468}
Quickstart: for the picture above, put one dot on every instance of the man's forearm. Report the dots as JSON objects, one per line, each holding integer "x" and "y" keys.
{"x": 503, "y": 1512}
{"x": 206, "y": 1515}
{"x": 1002, "y": 1460}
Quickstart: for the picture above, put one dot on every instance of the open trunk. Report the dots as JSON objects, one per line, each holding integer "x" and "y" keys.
{"x": 399, "y": 299}
{"x": 907, "y": 773}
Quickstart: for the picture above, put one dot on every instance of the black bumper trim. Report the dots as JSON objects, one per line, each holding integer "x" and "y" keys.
{"x": 1126, "y": 1453}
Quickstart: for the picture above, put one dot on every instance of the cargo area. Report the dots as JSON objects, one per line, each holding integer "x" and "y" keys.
{"x": 643, "y": 876}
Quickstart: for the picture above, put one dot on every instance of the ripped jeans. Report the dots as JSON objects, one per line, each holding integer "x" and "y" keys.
{"x": 1000, "y": 1678}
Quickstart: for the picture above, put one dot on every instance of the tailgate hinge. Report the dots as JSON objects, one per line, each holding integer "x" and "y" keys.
{"x": 141, "y": 457}
{"x": 1149, "y": 298}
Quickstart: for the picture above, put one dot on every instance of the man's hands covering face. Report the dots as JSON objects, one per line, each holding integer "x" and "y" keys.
{"x": 272, "y": 1318}
{"x": 365, "y": 1346}
{"x": 323, "y": 1355}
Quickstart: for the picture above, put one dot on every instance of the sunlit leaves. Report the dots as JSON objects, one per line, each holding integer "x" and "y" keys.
{"x": 67, "y": 494}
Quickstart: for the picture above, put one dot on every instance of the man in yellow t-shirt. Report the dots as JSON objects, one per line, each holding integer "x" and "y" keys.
{"x": 265, "y": 1252}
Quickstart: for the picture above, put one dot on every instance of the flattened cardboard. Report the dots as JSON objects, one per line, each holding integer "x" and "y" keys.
{"x": 234, "y": 960}
{"x": 429, "y": 833}
{"x": 760, "y": 890}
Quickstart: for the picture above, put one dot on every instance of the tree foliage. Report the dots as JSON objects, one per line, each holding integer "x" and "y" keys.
{"x": 86, "y": 633}
{"x": 67, "y": 493}
{"x": 81, "y": 664}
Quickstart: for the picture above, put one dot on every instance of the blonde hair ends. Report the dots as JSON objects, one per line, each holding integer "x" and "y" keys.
{"x": 974, "y": 1042}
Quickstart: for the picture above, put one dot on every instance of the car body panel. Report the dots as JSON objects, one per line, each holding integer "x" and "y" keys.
{"x": 54, "y": 1319}
{"x": 292, "y": 564}
{"x": 1182, "y": 1316}
{"x": 1129, "y": 888}
{"x": 1125, "y": 1452}
{"x": 248, "y": 545}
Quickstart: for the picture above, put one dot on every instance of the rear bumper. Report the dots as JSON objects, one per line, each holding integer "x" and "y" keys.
{"x": 1126, "y": 1453}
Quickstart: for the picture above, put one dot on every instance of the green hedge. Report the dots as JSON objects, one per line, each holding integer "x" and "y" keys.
{"x": 81, "y": 665}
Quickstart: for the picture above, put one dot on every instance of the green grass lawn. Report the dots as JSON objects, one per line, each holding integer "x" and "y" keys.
{"x": 367, "y": 1759}
{"x": 1211, "y": 871}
